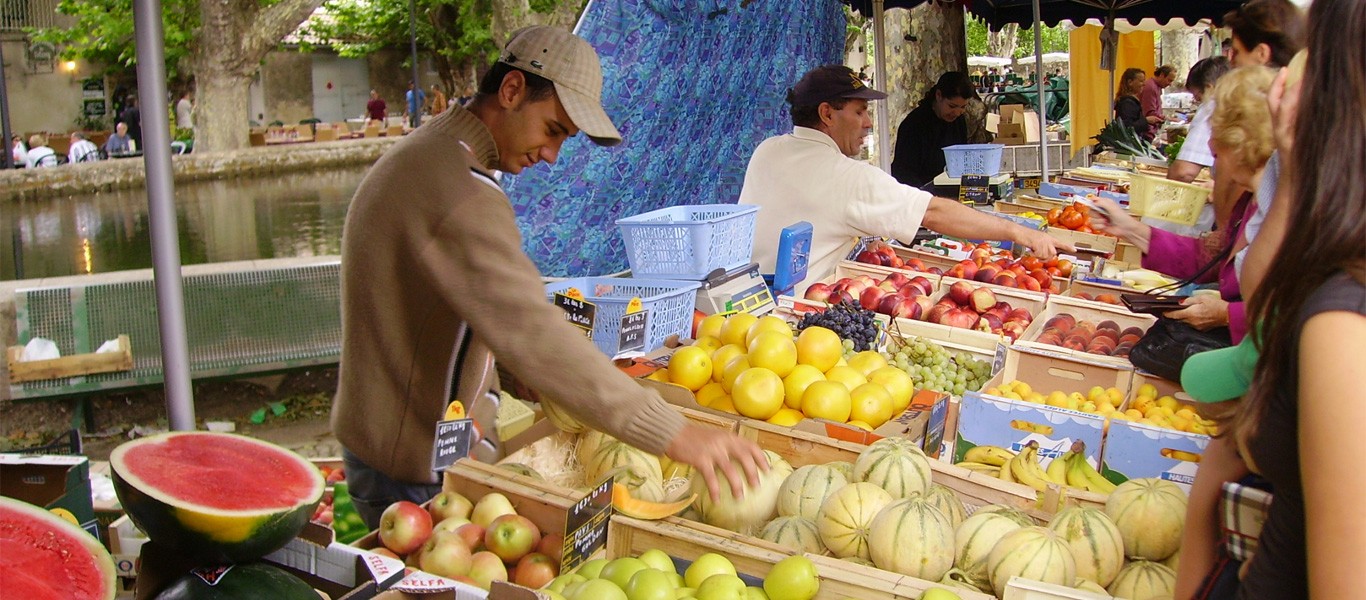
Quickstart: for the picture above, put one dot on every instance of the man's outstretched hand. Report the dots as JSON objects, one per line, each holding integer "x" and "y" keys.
{"x": 1041, "y": 244}
{"x": 708, "y": 449}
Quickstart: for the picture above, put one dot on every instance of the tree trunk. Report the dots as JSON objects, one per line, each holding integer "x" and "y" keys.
{"x": 922, "y": 44}
{"x": 1180, "y": 49}
{"x": 1002, "y": 43}
{"x": 234, "y": 38}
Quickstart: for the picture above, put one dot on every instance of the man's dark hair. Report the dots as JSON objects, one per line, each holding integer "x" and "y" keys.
{"x": 810, "y": 116}
{"x": 1207, "y": 71}
{"x": 1164, "y": 71}
{"x": 538, "y": 88}
{"x": 1277, "y": 23}
{"x": 953, "y": 84}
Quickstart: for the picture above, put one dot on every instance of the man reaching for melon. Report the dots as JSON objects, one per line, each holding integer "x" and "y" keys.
{"x": 434, "y": 283}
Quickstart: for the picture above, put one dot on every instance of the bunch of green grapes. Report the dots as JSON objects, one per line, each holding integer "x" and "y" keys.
{"x": 933, "y": 367}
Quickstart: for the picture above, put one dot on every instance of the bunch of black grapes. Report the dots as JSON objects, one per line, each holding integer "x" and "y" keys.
{"x": 851, "y": 321}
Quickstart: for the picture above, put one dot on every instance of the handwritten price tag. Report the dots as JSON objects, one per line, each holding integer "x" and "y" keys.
{"x": 585, "y": 528}
{"x": 633, "y": 329}
{"x": 452, "y": 443}
{"x": 974, "y": 189}
{"x": 579, "y": 312}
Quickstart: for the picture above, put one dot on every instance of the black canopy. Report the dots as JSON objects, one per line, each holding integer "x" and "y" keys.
{"x": 999, "y": 13}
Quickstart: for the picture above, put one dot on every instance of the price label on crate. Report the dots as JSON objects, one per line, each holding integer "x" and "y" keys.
{"x": 579, "y": 312}
{"x": 974, "y": 189}
{"x": 633, "y": 328}
{"x": 585, "y": 527}
{"x": 452, "y": 442}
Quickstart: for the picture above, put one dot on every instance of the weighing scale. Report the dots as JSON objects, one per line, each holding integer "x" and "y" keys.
{"x": 738, "y": 290}
{"x": 1001, "y": 186}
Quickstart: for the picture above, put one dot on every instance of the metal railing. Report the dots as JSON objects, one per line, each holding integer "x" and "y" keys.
{"x": 16, "y": 15}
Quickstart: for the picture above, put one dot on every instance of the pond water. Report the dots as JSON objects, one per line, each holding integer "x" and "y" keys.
{"x": 278, "y": 216}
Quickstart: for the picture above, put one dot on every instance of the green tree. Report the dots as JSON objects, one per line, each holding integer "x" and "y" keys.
{"x": 1055, "y": 39}
{"x": 103, "y": 34}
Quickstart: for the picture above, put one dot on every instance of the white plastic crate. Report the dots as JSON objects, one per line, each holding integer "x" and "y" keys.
{"x": 1164, "y": 199}
{"x": 670, "y": 306}
{"x": 973, "y": 159}
{"x": 689, "y": 242}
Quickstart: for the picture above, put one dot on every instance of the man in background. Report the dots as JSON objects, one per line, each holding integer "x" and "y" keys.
{"x": 82, "y": 150}
{"x": 184, "y": 111}
{"x": 375, "y": 109}
{"x": 1151, "y": 98}
{"x": 118, "y": 142}
{"x": 416, "y": 100}
{"x": 132, "y": 115}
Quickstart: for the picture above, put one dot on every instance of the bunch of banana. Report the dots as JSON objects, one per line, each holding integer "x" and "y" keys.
{"x": 1080, "y": 474}
{"x": 1024, "y": 468}
{"x": 987, "y": 460}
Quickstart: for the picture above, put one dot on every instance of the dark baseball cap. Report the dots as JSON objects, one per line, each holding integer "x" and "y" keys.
{"x": 830, "y": 82}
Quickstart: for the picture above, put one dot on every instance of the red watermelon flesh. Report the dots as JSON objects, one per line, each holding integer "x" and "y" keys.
{"x": 229, "y": 474}
{"x": 45, "y": 557}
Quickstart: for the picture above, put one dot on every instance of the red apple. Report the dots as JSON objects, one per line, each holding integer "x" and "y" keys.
{"x": 842, "y": 297}
{"x": 989, "y": 323}
{"x": 1045, "y": 280}
{"x": 552, "y": 545}
{"x": 895, "y": 262}
{"x": 887, "y": 285}
{"x": 445, "y": 554}
{"x": 452, "y": 524}
{"x": 855, "y": 287}
{"x": 870, "y": 297}
{"x": 473, "y": 535}
{"x": 1005, "y": 279}
{"x": 910, "y": 290}
{"x": 1025, "y": 282}
{"x": 382, "y": 551}
{"x": 886, "y": 252}
{"x": 490, "y": 507}
{"x": 887, "y": 305}
{"x": 404, "y": 527}
{"x": 961, "y": 293}
{"x": 981, "y": 300}
{"x": 820, "y": 292}
{"x": 511, "y": 537}
{"x": 449, "y": 504}
{"x": 534, "y": 571}
{"x": 486, "y": 568}
{"x": 967, "y": 268}
{"x": 979, "y": 255}
{"x": 925, "y": 306}
{"x": 1022, "y": 315}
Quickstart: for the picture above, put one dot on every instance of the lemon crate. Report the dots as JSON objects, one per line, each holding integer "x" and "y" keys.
{"x": 1165, "y": 199}
{"x": 973, "y": 159}
{"x": 670, "y": 304}
{"x": 689, "y": 242}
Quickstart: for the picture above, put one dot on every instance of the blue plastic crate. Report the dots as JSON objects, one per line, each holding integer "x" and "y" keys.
{"x": 670, "y": 304}
{"x": 688, "y": 242}
{"x": 973, "y": 159}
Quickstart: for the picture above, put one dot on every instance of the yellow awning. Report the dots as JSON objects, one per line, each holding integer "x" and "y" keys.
{"x": 1090, "y": 93}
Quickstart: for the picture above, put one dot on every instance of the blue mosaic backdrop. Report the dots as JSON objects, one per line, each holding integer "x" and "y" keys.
{"x": 694, "y": 86}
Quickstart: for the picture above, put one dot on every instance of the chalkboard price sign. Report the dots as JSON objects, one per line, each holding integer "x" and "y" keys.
{"x": 578, "y": 312}
{"x": 585, "y": 528}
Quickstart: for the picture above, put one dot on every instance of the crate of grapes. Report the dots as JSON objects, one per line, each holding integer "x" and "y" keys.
{"x": 948, "y": 366}
{"x": 857, "y": 327}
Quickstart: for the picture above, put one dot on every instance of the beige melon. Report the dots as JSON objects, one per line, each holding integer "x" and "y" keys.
{"x": 846, "y": 517}
{"x": 561, "y": 418}
{"x": 746, "y": 515}
{"x": 1094, "y": 540}
{"x": 912, "y": 537}
{"x": 614, "y": 455}
{"x": 974, "y": 539}
{"x": 895, "y": 465}
{"x": 948, "y": 503}
{"x": 795, "y": 533}
{"x": 1144, "y": 580}
{"x": 588, "y": 443}
{"x": 1150, "y": 514}
{"x": 1032, "y": 553}
{"x": 806, "y": 490}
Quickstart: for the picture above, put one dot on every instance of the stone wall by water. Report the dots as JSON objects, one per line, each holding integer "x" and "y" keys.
{"x": 84, "y": 178}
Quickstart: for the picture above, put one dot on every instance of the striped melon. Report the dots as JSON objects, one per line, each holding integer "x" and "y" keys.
{"x": 641, "y": 486}
{"x": 1086, "y": 585}
{"x": 1173, "y": 562}
{"x": 561, "y": 418}
{"x": 974, "y": 539}
{"x": 895, "y": 465}
{"x": 588, "y": 444}
{"x": 1144, "y": 580}
{"x": 746, "y": 515}
{"x": 1032, "y": 553}
{"x": 847, "y": 515}
{"x": 794, "y": 532}
{"x": 845, "y": 468}
{"x": 1095, "y": 542}
{"x": 807, "y": 488}
{"x": 1150, "y": 514}
{"x": 1009, "y": 511}
{"x": 913, "y": 538}
{"x": 948, "y": 503}
{"x": 615, "y": 455}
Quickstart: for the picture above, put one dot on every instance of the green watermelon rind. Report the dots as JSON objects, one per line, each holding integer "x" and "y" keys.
{"x": 251, "y": 580}
{"x": 40, "y": 520}
{"x": 166, "y": 522}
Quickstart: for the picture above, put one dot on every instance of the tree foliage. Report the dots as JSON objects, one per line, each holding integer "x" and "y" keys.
{"x": 1055, "y": 39}
{"x": 103, "y": 34}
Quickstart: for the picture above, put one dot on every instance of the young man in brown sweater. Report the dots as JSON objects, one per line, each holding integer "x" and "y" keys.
{"x": 434, "y": 278}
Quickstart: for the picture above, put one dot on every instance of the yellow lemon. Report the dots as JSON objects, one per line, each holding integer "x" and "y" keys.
{"x": 1022, "y": 388}
{"x": 992, "y": 391}
{"x": 796, "y": 382}
{"x": 898, "y": 384}
{"x": 861, "y": 425}
{"x": 757, "y": 393}
{"x": 1133, "y": 414}
{"x": 1147, "y": 390}
{"x": 850, "y": 377}
{"x": 1058, "y": 399}
{"x": 786, "y": 417}
{"x": 1115, "y": 396}
{"x": 721, "y": 358}
{"x": 827, "y": 400}
{"x": 1013, "y": 396}
{"x": 690, "y": 367}
{"x": 768, "y": 323}
{"x": 710, "y": 392}
{"x": 819, "y": 347}
{"x": 734, "y": 368}
{"x": 736, "y": 327}
{"x": 661, "y": 374}
{"x": 710, "y": 326}
{"x": 1168, "y": 403}
{"x": 773, "y": 351}
{"x": 708, "y": 343}
{"x": 871, "y": 404}
{"x": 867, "y": 361}
{"x": 1095, "y": 393}
{"x": 1088, "y": 407}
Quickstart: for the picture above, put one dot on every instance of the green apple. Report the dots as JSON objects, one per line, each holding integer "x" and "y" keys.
{"x": 558, "y": 584}
{"x": 756, "y": 593}
{"x": 793, "y": 578}
{"x": 649, "y": 584}
{"x": 592, "y": 569}
{"x": 598, "y": 589}
{"x": 939, "y": 594}
{"x": 722, "y": 587}
{"x": 684, "y": 592}
{"x": 705, "y": 566}
{"x": 657, "y": 559}
{"x": 619, "y": 571}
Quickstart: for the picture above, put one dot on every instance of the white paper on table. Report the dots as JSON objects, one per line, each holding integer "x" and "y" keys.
{"x": 108, "y": 346}
{"x": 40, "y": 349}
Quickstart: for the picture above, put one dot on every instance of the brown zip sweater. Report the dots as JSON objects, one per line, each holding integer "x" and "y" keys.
{"x": 431, "y": 257}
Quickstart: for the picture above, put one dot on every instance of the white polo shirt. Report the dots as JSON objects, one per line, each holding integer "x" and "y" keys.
{"x": 803, "y": 176}
{"x": 1196, "y": 147}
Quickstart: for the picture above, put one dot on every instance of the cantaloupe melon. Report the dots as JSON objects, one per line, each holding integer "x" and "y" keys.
{"x": 913, "y": 538}
{"x": 614, "y": 455}
{"x": 1094, "y": 540}
{"x": 794, "y": 532}
{"x": 1150, "y": 514}
{"x": 806, "y": 489}
{"x": 974, "y": 539}
{"x": 846, "y": 517}
{"x": 948, "y": 503}
{"x": 895, "y": 465}
{"x": 1032, "y": 553}
{"x": 1144, "y": 580}
{"x": 748, "y": 514}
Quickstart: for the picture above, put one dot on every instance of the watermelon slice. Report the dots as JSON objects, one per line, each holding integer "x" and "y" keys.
{"x": 215, "y": 497}
{"x": 45, "y": 557}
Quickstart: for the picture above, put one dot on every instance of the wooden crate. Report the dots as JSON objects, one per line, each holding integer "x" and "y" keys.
{"x": 1084, "y": 311}
{"x": 1086, "y": 243}
{"x": 68, "y": 366}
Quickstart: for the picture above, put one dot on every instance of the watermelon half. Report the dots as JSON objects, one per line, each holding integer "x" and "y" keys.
{"x": 45, "y": 557}
{"x": 236, "y": 582}
{"x": 215, "y": 497}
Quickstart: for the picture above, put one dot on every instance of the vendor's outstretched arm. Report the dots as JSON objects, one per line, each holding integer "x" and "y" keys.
{"x": 959, "y": 220}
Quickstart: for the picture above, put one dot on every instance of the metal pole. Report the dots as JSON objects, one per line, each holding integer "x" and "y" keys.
{"x": 884, "y": 135}
{"x": 161, "y": 216}
{"x": 416, "y": 117}
{"x": 4, "y": 112}
{"x": 1043, "y": 97}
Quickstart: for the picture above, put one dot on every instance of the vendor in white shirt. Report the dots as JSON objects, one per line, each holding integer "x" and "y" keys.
{"x": 809, "y": 175}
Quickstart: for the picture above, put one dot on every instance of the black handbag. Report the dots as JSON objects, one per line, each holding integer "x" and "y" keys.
{"x": 1163, "y": 350}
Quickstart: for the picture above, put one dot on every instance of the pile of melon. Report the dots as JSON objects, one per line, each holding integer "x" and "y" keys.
{"x": 884, "y": 510}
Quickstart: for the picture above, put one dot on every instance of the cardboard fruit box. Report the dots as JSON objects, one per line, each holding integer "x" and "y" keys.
{"x": 1136, "y": 450}
{"x": 985, "y": 419}
{"x": 1089, "y": 243}
{"x": 1034, "y": 302}
{"x": 1083, "y": 310}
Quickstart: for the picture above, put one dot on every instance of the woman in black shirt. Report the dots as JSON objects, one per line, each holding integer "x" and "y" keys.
{"x": 1127, "y": 107}
{"x": 937, "y": 122}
